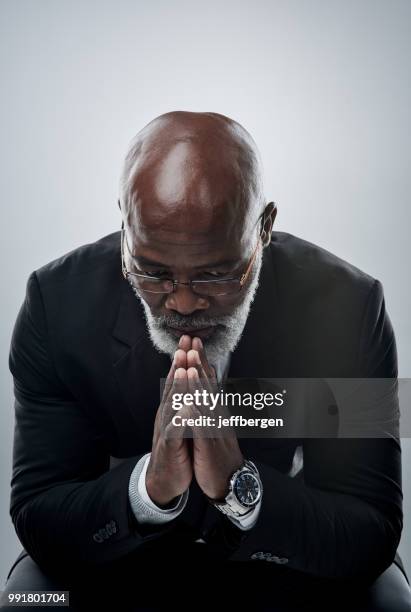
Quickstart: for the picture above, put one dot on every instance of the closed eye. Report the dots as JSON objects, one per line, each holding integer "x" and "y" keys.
{"x": 157, "y": 273}
{"x": 215, "y": 274}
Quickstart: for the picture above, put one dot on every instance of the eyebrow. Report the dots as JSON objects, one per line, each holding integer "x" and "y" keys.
{"x": 217, "y": 264}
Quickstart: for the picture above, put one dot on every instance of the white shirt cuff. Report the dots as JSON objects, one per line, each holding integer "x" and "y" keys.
{"x": 145, "y": 510}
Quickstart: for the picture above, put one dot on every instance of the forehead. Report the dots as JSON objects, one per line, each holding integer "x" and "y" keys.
{"x": 183, "y": 245}
{"x": 185, "y": 198}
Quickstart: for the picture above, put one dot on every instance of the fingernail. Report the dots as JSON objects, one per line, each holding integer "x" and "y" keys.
{"x": 194, "y": 354}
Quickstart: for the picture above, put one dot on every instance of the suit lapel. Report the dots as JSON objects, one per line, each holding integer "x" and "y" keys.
{"x": 137, "y": 366}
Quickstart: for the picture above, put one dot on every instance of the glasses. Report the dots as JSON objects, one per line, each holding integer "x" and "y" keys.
{"x": 210, "y": 288}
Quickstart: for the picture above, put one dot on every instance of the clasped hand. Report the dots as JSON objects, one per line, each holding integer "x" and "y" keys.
{"x": 172, "y": 465}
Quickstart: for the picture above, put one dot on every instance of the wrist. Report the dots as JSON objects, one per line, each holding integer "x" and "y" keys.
{"x": 144, "y": 509}
{"x": 244, "y": 492}
{"x": 158, "y": 496}
{"x": 219, "y": 494}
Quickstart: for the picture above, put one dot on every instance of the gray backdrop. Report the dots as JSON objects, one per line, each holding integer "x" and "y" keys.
{"x": 323, "y": 86}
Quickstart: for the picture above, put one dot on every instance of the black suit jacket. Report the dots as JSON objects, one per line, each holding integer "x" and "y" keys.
{"x": 86, "y": 384}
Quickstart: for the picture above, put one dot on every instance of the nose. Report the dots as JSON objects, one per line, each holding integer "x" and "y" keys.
{"x": 185, "y": 301}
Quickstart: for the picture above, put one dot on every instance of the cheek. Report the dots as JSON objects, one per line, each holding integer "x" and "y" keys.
{"x": 226, "y": 305}
{"x": 154, "y": 302}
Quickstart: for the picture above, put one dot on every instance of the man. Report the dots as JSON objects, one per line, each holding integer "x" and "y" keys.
{"x": 195, "y": 287}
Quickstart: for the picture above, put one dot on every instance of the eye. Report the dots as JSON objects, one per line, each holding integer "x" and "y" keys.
{"x": 214, "y": 274}
{"x": 159, "y": 273}
{"x": 222, "y": 273}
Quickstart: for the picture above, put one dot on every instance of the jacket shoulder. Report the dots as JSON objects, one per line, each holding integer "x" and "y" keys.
{"x": 85, "y": 260}
{"x": 315, "y": 267}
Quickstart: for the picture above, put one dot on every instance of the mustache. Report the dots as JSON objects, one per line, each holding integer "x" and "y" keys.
{"x": 187, "y": 321}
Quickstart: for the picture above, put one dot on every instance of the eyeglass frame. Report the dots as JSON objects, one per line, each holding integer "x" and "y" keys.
{"x": 243, "y": 278}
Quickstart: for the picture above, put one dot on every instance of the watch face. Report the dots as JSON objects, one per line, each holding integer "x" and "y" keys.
{"x": 247, "y": 489}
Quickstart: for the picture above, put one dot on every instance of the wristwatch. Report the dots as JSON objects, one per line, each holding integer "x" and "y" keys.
{"x": 244, "y": 492}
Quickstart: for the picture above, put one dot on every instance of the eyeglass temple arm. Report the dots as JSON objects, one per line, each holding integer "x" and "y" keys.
{"x": 250, "y": 265}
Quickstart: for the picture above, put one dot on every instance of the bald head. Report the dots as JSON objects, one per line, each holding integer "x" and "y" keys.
{"x": 191, "y": 196}
{"x": 188, "y": 173}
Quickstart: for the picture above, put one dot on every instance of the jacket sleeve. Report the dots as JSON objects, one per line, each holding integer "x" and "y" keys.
{"x": 343, "y": 520}
{"x": 68, "y": 508}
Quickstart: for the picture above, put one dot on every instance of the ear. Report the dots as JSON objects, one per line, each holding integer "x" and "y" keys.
{"x": 267, "y": 222}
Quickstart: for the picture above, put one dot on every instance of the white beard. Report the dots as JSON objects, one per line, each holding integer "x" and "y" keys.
{"x": 223, "y": 340}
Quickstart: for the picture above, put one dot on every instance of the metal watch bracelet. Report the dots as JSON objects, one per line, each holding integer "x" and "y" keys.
{"x": 230, "y": 506}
